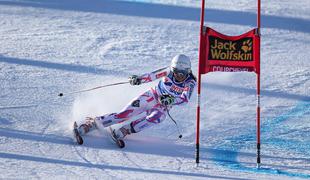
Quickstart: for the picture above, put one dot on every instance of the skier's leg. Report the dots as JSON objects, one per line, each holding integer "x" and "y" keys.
{"x": 156, "y": 116}
{"x": 135, "y": 107}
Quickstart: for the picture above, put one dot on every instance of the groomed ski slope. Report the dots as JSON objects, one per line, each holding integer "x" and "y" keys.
{"x": 53, "y": 46}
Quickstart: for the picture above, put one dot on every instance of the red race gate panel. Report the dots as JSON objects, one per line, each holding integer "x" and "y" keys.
{"x": 230, "y": 53}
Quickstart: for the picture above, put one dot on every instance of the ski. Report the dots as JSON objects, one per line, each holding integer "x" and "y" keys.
{"x": 119, "y": 142}
{"x": 76, "y": 134}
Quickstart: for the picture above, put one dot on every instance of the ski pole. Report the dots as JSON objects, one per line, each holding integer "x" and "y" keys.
{"x": 91, "y": 89}
{"x": 180, "y": 136}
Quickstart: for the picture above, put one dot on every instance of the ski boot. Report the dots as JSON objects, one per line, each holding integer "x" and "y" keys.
{"x": 118, "y": 134}
{"x": 89, "y": 125}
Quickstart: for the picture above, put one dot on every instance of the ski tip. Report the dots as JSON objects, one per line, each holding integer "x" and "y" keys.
{"x": 80, "y": 140}
{"x": 120, "y": 143}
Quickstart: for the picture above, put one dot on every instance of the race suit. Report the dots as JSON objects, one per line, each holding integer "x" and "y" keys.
{"x": 147, "y": 106}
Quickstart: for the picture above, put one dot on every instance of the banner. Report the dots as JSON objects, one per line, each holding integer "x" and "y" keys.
{"x": 230, "y": 53}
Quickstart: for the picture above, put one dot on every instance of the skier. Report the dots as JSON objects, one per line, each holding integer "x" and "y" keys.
{"x": 175, "y": 88}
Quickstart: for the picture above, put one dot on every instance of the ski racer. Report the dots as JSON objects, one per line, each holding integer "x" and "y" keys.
{"x": 175, "y": 88}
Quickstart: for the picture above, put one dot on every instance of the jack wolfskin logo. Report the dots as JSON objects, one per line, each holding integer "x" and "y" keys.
{"x": 230, "y": 50}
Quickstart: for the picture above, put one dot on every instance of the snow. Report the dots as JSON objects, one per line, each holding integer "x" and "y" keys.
{"x": 53, "y": 46}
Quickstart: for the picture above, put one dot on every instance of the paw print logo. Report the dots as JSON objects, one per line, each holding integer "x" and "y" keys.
{"x": 247, "y": 46}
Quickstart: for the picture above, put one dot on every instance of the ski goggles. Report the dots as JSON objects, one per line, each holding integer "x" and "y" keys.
{"x": 179, "y": 72}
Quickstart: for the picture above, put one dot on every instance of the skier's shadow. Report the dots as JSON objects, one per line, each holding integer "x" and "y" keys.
{"x": 145, "y": 145}
{"x": 32, "y": 136}
{"x": 100, "y": 143}
{"x": 110, "y": 167}
{"x": 91, "y": 142}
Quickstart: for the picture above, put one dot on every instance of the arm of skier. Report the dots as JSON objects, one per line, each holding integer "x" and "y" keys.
{"x": 148, "y": 77}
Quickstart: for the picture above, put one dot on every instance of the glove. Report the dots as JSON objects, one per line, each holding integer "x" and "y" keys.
{"x": 166, "y": 99}
{"x": 134, "y": 80}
